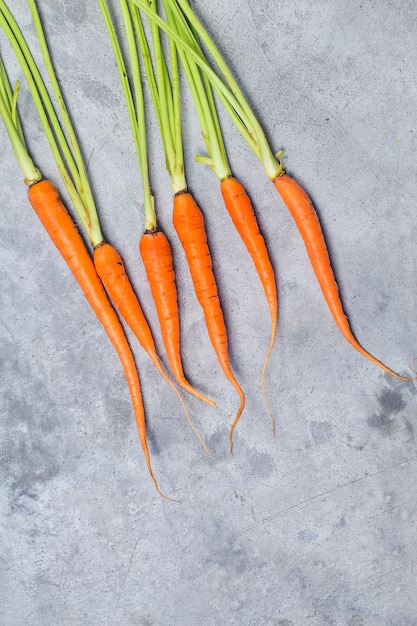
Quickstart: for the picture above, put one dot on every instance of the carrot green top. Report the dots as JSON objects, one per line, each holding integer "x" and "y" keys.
{"x": 164, "y": 89}
{"x": 10, "y": 116}
{"x": 203, "y": 99}
{"x": 165, "y": 94}
{"x": 66, "y": 152}
{"x": 134, "y": 100}
{"x": 184, "y": 28}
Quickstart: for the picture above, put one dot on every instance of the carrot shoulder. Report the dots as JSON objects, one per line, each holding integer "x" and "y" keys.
{"x": 302, "y": 210}
{"x": 157, "y": 258}
{"x": 45, "y": 200}
{"x": 239, "y": 207}
{"x": 111, "y": 270}
{"x": 189, "y": 223}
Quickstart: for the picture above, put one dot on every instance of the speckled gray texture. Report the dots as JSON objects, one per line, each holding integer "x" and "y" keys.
{"x": 314, "y": 527}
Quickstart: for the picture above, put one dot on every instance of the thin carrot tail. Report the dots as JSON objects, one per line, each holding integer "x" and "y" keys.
{"x": 157, "y": 258}
{"x": 238, "y": 414}
{"x": 183, "y": 382}
{"x": 374, "y": 360}
{"x": 45, "y": 200}
{"x": 240, "y": 209}
{"x": 112, "y": 272}
{"x": 140, "y": 421}
{"x": 268, "y": 354}
{"x": 303, "y": 212}
{"x": 223, "y": 357}
{"x": 158, "y": 364}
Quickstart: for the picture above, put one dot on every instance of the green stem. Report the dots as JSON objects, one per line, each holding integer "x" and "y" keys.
{"x": 147, "y": 60}
{"x": 179, "y": 175}
{"x": 230, "y": 95}
{"x": 204, "y": 104}
{"x": 199, "y": 59}
{"x": 141, "y": 147}
{"x": 51, "y": 125}
{"x": 135, "y": 105}
{"x": 237, "y": 115}
{"x": 9, "y": 114}
{"x": 82, "y": 181}
{"x": 266, "y": 155}
{"x": 10, "y": 98}
{"x": 216, "y": 127}
{"x": 165, "y": 96}
{"x": 36, "y": 85}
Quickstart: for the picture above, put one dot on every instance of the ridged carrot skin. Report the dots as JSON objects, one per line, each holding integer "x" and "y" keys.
{"x": 156, "y": 254}
{"x": 112, "y": 272}
{"x": 302, "y": 210}
{"x": 45, "y": 200}
{"x": 240, "y": 209}
{"x": 189, "y": 223}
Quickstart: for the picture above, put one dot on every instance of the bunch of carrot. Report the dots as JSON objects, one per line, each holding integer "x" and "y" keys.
{"x": 100, "y": 272}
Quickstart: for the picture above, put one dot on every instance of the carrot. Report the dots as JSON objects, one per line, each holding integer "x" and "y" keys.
{"x": 189, "y": 223}
{"x": 111, "y": 270}
{"x": 45, "y": 200}
{"x": 302, "y": 210}
{"x": 239, "y": 206}
{"x": 157, "y": 258}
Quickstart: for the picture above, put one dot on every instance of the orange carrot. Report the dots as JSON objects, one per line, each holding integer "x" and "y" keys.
{"x": 302, "y": 210}
{"x": 111, "y": 270}
{"x": 47, "y": 204}
{"x": 189, "y": 223}
{"x": 239, "y": 207}
{"x": 157, "y": 257}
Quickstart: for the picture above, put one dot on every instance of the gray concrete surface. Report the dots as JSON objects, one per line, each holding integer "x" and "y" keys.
{"x": 315, "y": 526}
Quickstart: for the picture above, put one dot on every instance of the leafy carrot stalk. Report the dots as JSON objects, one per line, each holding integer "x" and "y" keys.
{"x": 160, "y": 272}
{"x": 68, "y": 158}
{"x": 293, "y": 195}
{"x": 45, "y": 201}
{"x": 111, "y": 270}
{"x": 187, "y": 217}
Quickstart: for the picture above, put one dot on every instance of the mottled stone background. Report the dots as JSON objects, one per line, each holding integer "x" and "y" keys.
{"x": 315, "y": 526}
